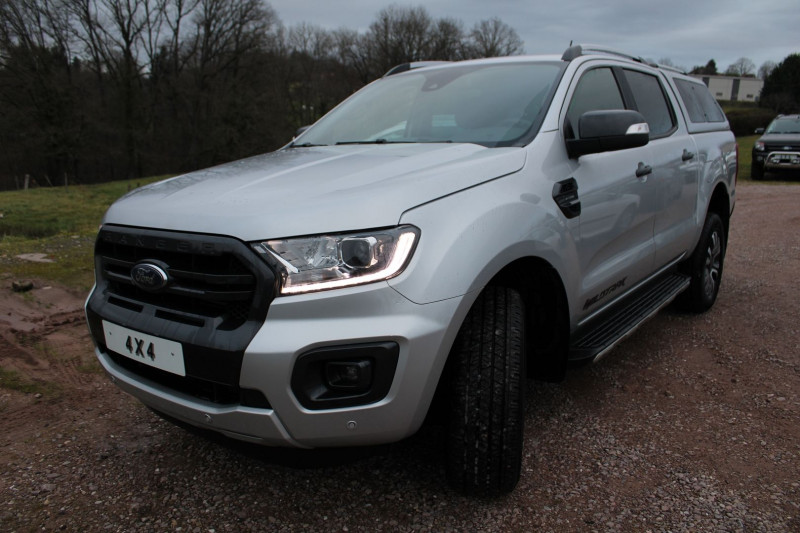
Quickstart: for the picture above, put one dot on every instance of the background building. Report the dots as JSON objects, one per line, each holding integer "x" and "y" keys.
{"x": 733, "y": 88}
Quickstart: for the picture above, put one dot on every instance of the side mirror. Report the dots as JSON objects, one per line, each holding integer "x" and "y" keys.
{"x": 759, "y": 131}
{"x": 607, "y": 131}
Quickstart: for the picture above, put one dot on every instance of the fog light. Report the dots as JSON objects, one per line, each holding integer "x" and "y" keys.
{"x": 348, "y": 375}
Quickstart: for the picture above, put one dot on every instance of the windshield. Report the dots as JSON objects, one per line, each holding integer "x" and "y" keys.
{"x": 784, "y": 125}
{"x": 491, "y": 105}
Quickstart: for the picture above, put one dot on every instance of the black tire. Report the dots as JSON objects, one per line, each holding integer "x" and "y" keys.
{"x": 705, "y": 266}
{"x": 487, "y": 393}
{"x": 756, "y": 173}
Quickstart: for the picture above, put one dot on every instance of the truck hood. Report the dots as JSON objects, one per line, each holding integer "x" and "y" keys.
{"x": 789, "y": 139}
{"x": 303, "y": 191}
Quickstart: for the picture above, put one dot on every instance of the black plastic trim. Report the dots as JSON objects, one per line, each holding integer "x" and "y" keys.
{"x": 565, "y": 194}
{"x": 625, "y": 316}
{"x": 308, "y": 376}
{"x": 214, "y": 327}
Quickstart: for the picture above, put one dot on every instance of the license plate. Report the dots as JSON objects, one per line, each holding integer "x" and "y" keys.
{"x": 153, "y": 351}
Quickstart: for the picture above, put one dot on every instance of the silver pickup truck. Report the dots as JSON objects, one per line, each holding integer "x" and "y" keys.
{"x": 442, "y": 235}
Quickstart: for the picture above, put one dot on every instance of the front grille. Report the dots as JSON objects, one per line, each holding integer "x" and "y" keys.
{"x": 201, "y": 287}
{"x": 216, "y": 299}
{"x": 781, "y": 147}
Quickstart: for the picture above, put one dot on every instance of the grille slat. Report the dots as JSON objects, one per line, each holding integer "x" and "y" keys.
{"x": 781, "y": 147}
{"x": 214, "y": 279}
{"x": 212, "y": 296}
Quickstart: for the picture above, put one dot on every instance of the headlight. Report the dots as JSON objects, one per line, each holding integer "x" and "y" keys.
{"x": 759, "y": 146}
{"x": 326, "y": 262}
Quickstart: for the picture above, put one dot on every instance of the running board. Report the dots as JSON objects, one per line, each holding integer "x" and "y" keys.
{"x": 635, "y": 311}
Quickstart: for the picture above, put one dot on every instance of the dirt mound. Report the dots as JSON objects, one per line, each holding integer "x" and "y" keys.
{"x": 46, "y": 320}
{"x": 45, "y": 355}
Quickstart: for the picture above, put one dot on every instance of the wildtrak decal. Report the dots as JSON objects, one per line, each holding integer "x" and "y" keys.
{"x": 597, "y": 297}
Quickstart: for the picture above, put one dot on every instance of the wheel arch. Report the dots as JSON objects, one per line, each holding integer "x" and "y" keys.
{"x": 720, "y": 203}
{"x": 542, "y": 290}
{"x": 546, "y": 314}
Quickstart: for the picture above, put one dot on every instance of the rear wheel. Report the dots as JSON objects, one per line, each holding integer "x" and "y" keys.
{"x": 705, "y": 266}
{"x": 485, "y": 432}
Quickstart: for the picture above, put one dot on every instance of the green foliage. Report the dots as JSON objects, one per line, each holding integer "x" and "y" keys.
{"x": 44, "y": 212}
{"x": 745, "y": 155}
{"x": 745, "y": 119}
{"x": 61, "y": 223}
{"x": 710, "y": 69}
{"x": 13, "y": 380}
{"x": 781, "y": 91}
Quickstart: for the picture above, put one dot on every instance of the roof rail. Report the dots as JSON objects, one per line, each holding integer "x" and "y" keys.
{"x": 403, "y": 67}
{"x": 578, "y": 50}
{"x": 670, "y": 68}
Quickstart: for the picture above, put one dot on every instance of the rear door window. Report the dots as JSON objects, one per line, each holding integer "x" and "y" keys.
{"x": 651, "y": 102}
{"x": 699, "y": 103}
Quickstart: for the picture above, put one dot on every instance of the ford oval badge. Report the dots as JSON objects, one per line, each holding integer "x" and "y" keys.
{"x": 149, "y": 277}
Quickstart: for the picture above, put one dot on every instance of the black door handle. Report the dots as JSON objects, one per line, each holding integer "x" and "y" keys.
{"x": 687, "y": 155}
{"x": 643, "y": 170}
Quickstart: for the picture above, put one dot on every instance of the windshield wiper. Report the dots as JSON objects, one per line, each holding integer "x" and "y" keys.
{"x": 373, "y": 141}
{"x": 305, "y": 145}
{"x": 384, "y": 141}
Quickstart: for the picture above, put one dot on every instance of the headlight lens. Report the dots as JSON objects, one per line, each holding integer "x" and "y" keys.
{"x": 325, "y": 262}
{"x": 759, "y": 146}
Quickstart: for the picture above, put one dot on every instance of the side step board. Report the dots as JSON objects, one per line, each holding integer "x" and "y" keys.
{"x": 634, "y": 311}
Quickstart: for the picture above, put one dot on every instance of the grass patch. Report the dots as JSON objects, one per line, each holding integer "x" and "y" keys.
{"x": 746, "y": 160}
{"x": 91, "y": 366}
{"x": 746, "y": 155}
{"x": 13, "y": 380}
{"x": 59, "y": 222}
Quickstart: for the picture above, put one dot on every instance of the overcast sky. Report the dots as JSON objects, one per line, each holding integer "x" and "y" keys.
{"x": 689, "y": 32}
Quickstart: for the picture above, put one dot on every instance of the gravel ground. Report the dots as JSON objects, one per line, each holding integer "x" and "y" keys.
{"x": 690, "y": 425}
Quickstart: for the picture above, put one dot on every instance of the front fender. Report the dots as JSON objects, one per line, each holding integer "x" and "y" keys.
{"x": 470, "y": 236}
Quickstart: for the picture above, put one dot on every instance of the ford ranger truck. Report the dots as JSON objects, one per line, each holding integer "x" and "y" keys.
{"x": 445, "y": 233}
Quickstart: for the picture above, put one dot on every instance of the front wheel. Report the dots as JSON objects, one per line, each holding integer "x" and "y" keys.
{"x": 705, "y": 266}
{"x": 485, "y": 433}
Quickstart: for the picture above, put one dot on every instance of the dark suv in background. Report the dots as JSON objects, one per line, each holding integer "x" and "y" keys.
{"x": 778, "y": 149}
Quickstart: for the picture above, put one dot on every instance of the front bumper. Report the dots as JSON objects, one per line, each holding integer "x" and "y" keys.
{"x": 298, "y": 324}
{"x": 782, "y": 160}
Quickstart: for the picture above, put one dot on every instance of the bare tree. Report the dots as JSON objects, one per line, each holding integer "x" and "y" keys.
{"x": 493, "y": 37}
{"x": 311, "y": 40}
{"x": 225, "y": 60}
{"x": 122, "y": 88}
{"x": 399, "y": 35}
{"x": 38, "y": 99}
{"x": 175, "y": 13}
{"x": 312, "y": 55}
{"x": 741, "y": 67}
{"x": 447, "y": 40}
{"x": 766, "y": 69}
{"x": 354, "y": 52}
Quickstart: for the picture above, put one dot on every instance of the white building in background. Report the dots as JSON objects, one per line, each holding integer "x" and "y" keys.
{"x": 733, "y": 88}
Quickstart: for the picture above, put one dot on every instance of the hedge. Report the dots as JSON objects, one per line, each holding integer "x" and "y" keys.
{"x": 745, "y": 120}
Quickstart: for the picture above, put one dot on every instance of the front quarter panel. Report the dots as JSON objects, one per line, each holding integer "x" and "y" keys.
{"x": 470, "y": 236}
